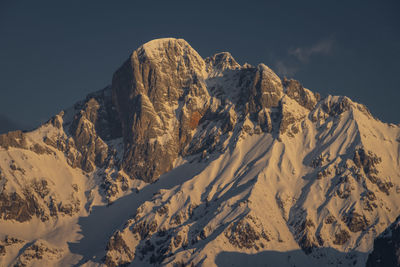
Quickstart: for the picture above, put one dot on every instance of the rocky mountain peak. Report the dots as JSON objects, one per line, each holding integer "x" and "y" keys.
{"x": 204, "y": 162}
{"x": 165, "y": 90}
{"x": 221, "y": 62}
{"x": 160, "y": 95}
{"x": 169, "y": 51}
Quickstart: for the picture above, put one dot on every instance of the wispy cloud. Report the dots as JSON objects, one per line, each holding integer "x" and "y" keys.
{"x": 303, "y": 54}
{"x": 298, "y": 56}
{"x": 285, "y": 69}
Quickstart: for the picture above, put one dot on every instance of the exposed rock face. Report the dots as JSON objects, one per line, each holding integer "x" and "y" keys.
{"x": 266, "y": 90}
{"x": 36, "y": 200}
{"x": 303, "y": 229}
{"x": 244, "y": 234}
{"x": 221, "y": 62}
{"x": 14, "y": 207}
{"x": 99, "y": 109}
{"x": 13, "y": 139}
{"x": 341, "y": 237}
{"x": 96, "y": 122}
{"x": 117, "y": 244}
{"x": 92, "y": 147}
{"x": 386, "y": 250}
{"x": 159, "y": 104}
{"x": 38, "y": 251}
{"x": 82, "y": 138}
{"x": 356, "y": 222}
{"x": 304, "y": 97}
{"x": 335, "y": 108}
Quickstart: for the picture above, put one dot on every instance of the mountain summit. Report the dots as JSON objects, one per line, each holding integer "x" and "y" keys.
{"x": 199, "y": 162}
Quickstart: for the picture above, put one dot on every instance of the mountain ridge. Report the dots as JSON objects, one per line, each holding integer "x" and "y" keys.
{"x": 325, "y": 169}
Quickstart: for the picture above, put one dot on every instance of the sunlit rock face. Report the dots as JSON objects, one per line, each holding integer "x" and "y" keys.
{"x": 185, "y": 160}
{"x": 162, "y": 93}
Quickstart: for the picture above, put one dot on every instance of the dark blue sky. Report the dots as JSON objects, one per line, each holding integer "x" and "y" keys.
{"x": 52, "y": 53}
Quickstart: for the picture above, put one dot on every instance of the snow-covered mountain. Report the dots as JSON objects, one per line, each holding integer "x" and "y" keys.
{"x": 199, "y": 162}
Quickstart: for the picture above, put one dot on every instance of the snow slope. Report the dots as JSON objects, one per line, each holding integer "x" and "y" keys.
{"x": 264, "y": 195}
